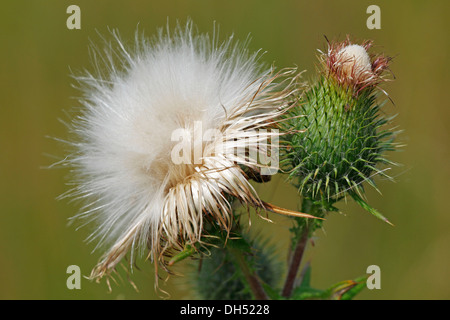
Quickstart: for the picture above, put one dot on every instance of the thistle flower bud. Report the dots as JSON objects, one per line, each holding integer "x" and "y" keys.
{"x": 352, "y": 66}
{"x": 340, "y": 142}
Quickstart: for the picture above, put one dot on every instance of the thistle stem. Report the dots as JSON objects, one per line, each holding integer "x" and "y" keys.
{"x": 252, "y": 279}
{"x": 295, "y": 261}
{"x": 297, "y": 254}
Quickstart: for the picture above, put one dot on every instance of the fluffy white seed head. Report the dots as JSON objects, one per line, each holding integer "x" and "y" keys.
{"x": 355, "y": 60}
{"x": 135, "y": 194}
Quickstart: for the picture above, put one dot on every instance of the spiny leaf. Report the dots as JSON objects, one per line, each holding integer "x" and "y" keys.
{"x": 336, "y": 291}
{"x": 361, "y": 284}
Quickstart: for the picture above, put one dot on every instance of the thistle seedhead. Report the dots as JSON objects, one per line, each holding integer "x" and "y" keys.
{"x": 341, "y": 141}
{"x": 154, "y": 148}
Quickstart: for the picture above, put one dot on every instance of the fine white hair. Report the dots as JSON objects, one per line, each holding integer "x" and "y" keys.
{"x": 134, "y": 194}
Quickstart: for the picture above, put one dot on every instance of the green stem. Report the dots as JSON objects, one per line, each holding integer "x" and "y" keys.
{"x": 252, "y": 279}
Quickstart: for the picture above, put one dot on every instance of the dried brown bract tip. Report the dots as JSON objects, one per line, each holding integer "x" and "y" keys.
{"x": 353, "y": 66}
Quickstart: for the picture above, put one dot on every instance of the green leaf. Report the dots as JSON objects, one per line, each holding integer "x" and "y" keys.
{"x": 361, "y": 284}
{"x": 345, "y": 290}
{"x": 187, "y": 252}
{"x": 336, "y": 291}
{"x": 304, "y": 290}
{"x": 271, "y": 292}
{"x": 307, "y": 294}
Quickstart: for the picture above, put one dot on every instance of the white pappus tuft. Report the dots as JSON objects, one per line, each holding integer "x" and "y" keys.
{"x": 137, "y": 197}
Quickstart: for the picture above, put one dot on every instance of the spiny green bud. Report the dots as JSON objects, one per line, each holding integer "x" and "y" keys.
{"x": 340, "y": 141}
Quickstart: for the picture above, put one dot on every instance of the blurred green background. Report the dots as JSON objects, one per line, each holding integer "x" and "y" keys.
{"x": 38, "y": 52}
